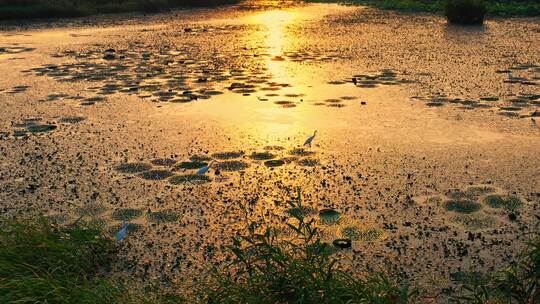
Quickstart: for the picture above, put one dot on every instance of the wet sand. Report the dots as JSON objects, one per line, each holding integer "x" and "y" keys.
{"x": 111, "y": 119}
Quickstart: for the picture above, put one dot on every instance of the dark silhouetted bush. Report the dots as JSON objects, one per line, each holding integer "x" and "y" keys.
{"x": 465, "y": 11}
{"x": 29, "y": 9}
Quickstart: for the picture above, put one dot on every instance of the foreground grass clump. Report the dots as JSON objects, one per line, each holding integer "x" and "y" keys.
{"x": 517, "y": 283}
{"x": 25, "y": 9}
{"x": 465, "y": 11}
{"x": 42, "y": 263}
{"x": 267, "y": 268}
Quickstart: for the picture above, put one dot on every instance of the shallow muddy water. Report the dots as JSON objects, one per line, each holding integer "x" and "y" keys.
{"x": 418, "y": 126}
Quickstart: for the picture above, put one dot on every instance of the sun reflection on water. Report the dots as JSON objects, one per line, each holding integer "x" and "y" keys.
{"x": 276, "y": 23}
{"x": 274, "y": 121}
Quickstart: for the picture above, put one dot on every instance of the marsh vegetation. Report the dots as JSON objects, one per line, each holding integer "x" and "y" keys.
{"x": 26, "y": 9}
{"x": 41, "y": 261}
{"x": 461, "y": 8}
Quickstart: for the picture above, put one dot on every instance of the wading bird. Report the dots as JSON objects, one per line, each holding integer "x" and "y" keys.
{"x": 205, "y": 169}
{"x": 309, "y": 140}
{"x": 510, "y": 76}
{"x": 120, "y": 235}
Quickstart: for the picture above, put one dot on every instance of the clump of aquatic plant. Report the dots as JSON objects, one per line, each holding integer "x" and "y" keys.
{"x": 465, "y": 11}
{"x": 166, "y": 162}
{"x": 228, "y": 155}
{"x": 301, "y": 152}
{"x": 41, "y": 128}
{"x": 475, "y": 192}
{"x": 366, "y": 234}
{"x": 509, "y": 202}
{"x": 329, "y": 216}
{"x": 155, "y": 174}
{"x": 189, "y": 179}
{"x": 274, "y": 163}
{"x": 131, "y": 228}
{"x": 462, "y": 206}
{"x": 231, "y": 165}
{"x": 267, "y": 268}
{"x": 308, "y": 162}
{"x": 473, "y": 222}
{"x": 190, "y": 165}
{"x": 132, "y": 167}
{"x": 262, "y": 155}
{"x": 517, "y": 283}
{"x": 91, "y": 209}
{"x": 126, "y": 214}
{"x": 165, "y": 216}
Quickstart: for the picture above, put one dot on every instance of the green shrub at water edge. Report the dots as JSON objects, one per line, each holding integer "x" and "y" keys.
{"x": 493, "y": 7}
{"x": 465, "y": 11}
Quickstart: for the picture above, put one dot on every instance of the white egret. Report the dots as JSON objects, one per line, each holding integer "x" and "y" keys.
{"x": 309, "y": 140}
{"x": 205, "y": 169}
{"x": 120, "y": 235}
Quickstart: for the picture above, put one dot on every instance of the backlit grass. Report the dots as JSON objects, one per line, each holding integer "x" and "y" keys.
{"x": 517, "y": 283}
{"x": 43, "y": 263}
{"x": 267, "y": 268}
